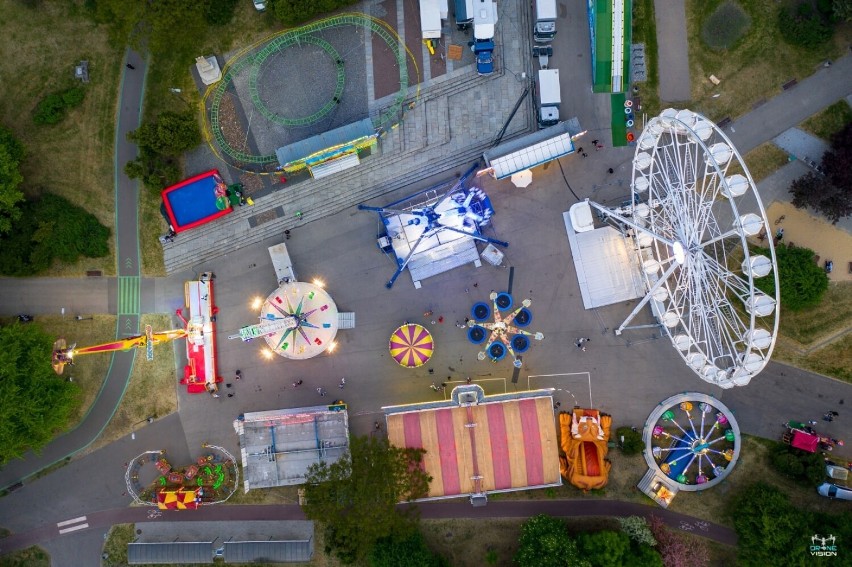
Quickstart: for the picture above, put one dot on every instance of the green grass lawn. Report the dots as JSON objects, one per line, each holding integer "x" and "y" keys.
{"x": 829, "y": 121}
{"x": 758, "y": 64}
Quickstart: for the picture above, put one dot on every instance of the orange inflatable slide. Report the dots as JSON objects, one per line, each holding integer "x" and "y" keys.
{"x": 585, "y": 434}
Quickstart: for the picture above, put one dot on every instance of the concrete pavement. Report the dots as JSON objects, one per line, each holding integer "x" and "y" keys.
{"x": 673, "y": 51}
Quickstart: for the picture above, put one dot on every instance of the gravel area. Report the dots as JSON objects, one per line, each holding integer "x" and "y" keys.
{"x": 230, "y": 124}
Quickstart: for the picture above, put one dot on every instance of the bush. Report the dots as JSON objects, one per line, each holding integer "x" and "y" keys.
{"x": 804, "y": 27}
{"x": 53, "y": 108}
{"x": 605, "y": 548}
{"x": 803, "y": 282}
{"x": 809, "y": 468}
{"x": 11, "y": 155}
{"x": 51, "y": 228}
{"x": 725, "y": 26}
{"x": 633, "y": 444}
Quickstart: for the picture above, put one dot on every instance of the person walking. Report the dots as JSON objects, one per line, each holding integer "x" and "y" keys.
{"x": 239, "y": 375}
{"x": 342, "y": 383}
{"x": 129, "y": 66}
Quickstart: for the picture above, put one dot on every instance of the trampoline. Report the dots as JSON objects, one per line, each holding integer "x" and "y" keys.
{"x": 196, "y": 201}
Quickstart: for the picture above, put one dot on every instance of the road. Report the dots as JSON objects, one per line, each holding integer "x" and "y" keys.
{"x": 430, "y": 511}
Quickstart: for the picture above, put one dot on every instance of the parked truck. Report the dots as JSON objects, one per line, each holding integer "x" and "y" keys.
{"x": 545, "y": 21}
{"x": 484, "y": 25}
{"x": 430, "y": 19}
{"x": 281, "y": 263}
{"x": 464, "y": 14}
{"x": 549, "y": 97}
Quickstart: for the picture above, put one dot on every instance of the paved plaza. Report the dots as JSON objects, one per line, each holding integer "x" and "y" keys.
{"x": 457, "y": 116}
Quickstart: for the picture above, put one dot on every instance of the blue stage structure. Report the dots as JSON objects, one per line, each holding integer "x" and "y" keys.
{"x": 435, "y": 230}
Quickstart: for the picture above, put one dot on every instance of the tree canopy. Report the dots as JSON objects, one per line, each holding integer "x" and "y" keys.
{"x": 545, "y": 542}
{"x": 11, "y": 156}
{"x": 410, "y": 551}
{"x": 356, "y": 498}
{"x": 173, "y": 27}
{"x": 802, "y": 281}
{"x": 829, "y": 194}
{"x": 769, "y": 527}
{"x": 160, "y": 143}
{"x": 34, "y": 401}
{"x": 51, "y": 227}
{"x": 292, "y": 12}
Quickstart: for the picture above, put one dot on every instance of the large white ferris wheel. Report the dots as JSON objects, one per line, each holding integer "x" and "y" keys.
{"x": 694, "y": 206}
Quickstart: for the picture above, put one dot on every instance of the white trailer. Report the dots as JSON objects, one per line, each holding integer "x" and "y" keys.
{"x": 281, "y": 263}
{"x": 430, "y": 19}
{"x": 484, "y": 19}
{"x": 549, "y": 97}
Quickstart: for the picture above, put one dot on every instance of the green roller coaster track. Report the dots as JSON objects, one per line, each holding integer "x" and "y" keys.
{"x": 303, "y": 35}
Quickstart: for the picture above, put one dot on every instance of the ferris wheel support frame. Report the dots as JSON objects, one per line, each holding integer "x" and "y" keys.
{"x": 667, "y": 163}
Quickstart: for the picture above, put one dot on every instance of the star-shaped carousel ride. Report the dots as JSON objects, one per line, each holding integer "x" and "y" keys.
{"x": 507, "y": 330}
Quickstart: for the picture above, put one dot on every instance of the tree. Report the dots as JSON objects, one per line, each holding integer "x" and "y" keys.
{"x": 219, "y": 12}
{"x": 829, "y": 194}
{"x": 404, "y": 552}
{"x": 809, "y": 468}
{"x": 637, "y": 529}
{"x": 356, "y": 497}
{"x": 545, "y": 542}
{"x": 842, "y": 10}
{"x": 769, "y": 527}
{"x": 676, "y": 550}
{"x": 171, "y": 133}
{"x": 175, "y": 28}
{"x": 605, "y": 548}
{"x": 34, "y": 402}
{"x": 804, "y": 27}
{"x": 11, "y": 156}
{"x": 160, "y": 143}
{"x": 293, "y": 12}
{"x": 803, "y": 282}
{"x": 49, "y": 228}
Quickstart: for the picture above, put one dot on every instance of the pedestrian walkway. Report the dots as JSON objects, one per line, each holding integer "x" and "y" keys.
{"x": 673, "y": 55}
{"x": 792, "y": 107}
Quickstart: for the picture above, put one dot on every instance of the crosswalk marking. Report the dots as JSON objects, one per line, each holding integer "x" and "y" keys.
{"x": 79, "y": 521}
{"x": 128, "y": 295}
{"x": 73, "y": 529}
{"x": 72, "y": 521}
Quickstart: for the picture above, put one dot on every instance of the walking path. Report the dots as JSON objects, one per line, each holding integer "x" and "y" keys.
{"x": 428, "y": 511}
{"x": 793, "y": 106}
{"x": 129, "y": 284}
{"x": 670, "y": 16}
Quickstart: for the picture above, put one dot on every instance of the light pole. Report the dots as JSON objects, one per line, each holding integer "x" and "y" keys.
{"x": 176, "y": 91}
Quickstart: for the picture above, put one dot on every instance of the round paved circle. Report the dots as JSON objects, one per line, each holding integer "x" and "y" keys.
{"x": 276, "y": 50}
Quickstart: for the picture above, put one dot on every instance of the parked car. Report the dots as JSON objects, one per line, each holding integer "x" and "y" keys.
{"x": 833, "y": 491}
{"x": 259, "y": 5}
{"x": 840, "y": 473}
